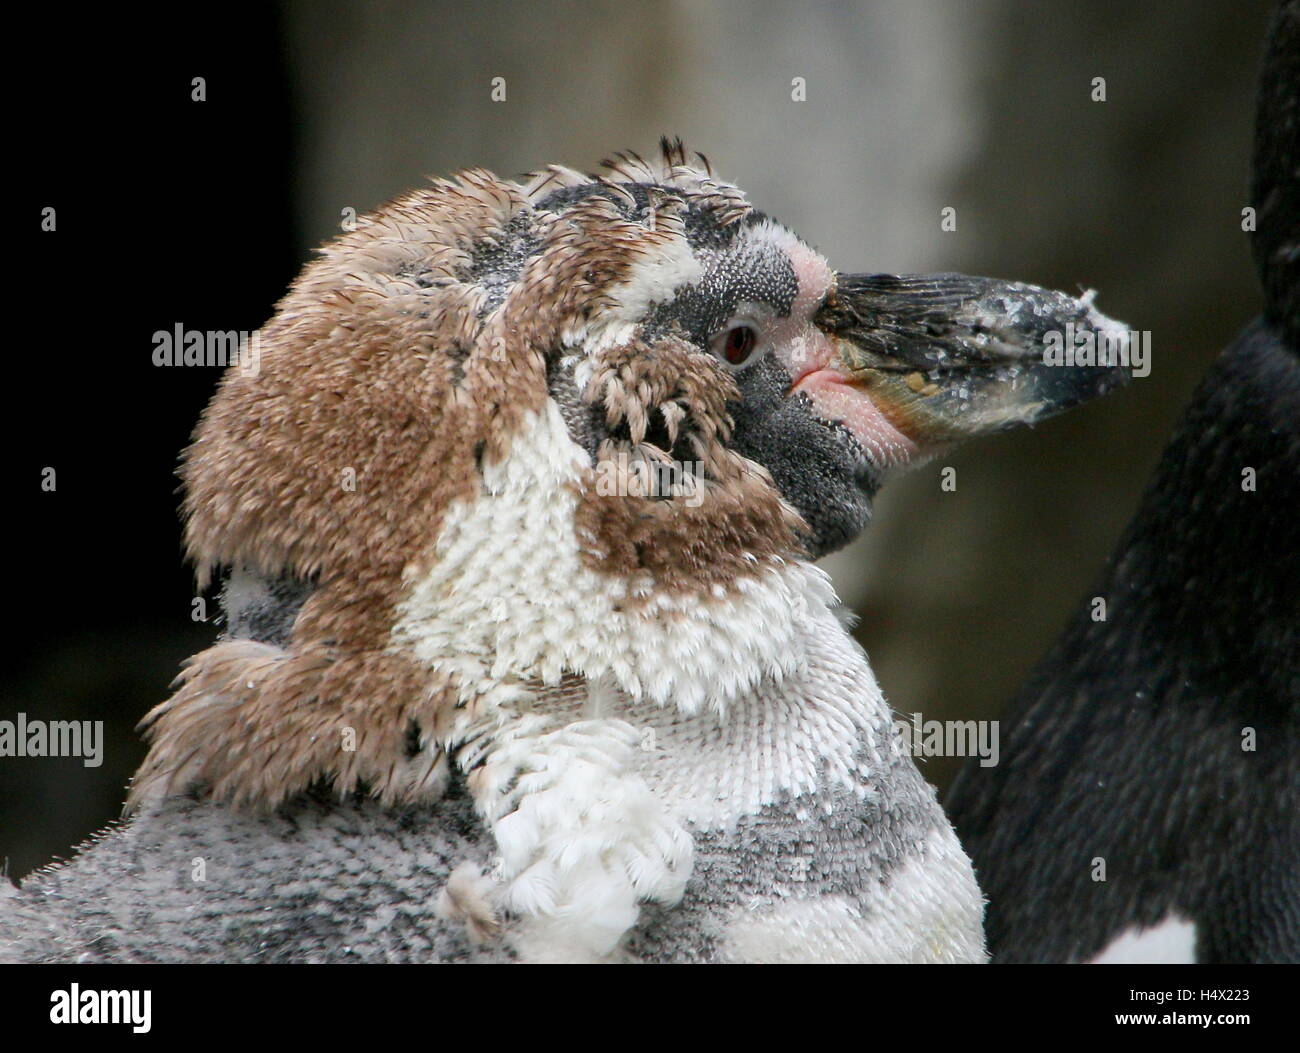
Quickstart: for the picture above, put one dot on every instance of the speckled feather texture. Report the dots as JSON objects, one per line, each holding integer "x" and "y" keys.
{"x": 785, "y": 829}
{"x": 357, "y": 882}
{"x": 599, "y": 727}
{"x": 850, "y": 859}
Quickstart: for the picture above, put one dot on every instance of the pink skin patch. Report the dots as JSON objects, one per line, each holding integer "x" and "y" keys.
{"x": 809, "y": 356}
{"x": 835, "y": 399}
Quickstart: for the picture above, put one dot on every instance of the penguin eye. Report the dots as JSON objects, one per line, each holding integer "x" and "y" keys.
{"x": 735, "y": 345}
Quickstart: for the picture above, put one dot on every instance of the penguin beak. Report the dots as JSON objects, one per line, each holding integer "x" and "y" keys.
{"x": 948, "y": 357}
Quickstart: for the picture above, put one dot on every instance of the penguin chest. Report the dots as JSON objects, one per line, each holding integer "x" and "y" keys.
{"x": 815, "y": 841}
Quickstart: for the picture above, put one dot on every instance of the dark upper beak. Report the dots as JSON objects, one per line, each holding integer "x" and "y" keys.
{"x": 947, "y": 357}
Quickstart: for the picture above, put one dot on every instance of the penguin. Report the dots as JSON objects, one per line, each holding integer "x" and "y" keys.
{"x": 1147, "y": 803}
{"x": 517, "y": 514}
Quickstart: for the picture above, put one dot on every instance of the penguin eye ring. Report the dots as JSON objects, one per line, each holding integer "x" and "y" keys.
{"x": 735, "y": 345}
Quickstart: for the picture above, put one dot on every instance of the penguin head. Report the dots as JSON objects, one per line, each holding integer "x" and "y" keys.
{"x": 702, "y": 356}
{"x": 570, "y": 425}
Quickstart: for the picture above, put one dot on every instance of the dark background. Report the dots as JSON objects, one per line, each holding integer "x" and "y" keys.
{"x": 170, "y": 210}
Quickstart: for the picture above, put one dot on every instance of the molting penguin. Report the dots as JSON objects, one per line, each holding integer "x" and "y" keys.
{"x": 1164, "y": 742}
{"x": 518, "y": 513}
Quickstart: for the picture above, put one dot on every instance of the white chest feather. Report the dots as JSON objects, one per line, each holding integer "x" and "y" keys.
{"x": 510, "y": 597}
{"x": 1172, "y": 942}
{"x": 616, "y": 739}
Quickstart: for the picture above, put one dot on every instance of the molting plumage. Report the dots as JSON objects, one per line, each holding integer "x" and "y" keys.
{"x": 524, "y": 494}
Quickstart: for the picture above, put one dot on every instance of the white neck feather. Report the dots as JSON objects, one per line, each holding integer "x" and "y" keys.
{"x": 634, "y": 725}
{"x": 509, "y": 598}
